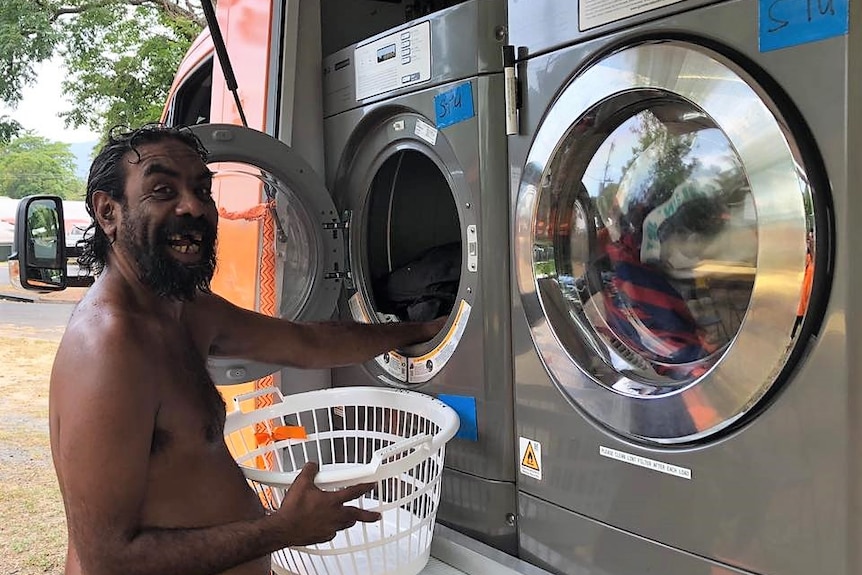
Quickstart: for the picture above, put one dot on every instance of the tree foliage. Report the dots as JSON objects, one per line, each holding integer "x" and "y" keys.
{"x": 120, "y": 55}
{"x": 30, "y": 164}
{"x": 8, "y": 129}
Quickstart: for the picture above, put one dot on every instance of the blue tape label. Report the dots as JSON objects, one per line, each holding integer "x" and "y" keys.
{"x": 453, "y": 106}
{"x": 786, "y": 23}
{"x": 465, "y": 407}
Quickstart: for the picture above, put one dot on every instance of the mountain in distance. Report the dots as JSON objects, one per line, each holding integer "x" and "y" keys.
{"x": 83, "y": 157}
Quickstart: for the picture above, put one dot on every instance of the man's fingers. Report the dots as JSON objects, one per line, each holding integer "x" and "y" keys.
{"x": 306, "y": 476}
{"x": 365, "y": 516}
{"x": 355, "y": 491}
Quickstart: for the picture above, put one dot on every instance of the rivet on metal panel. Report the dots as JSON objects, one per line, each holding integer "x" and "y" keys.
{"x": 235, "y": 373}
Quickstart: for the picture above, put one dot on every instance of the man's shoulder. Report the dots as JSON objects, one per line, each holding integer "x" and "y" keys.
{"x": 102, "y": 324}
{"x": 207, "y": 311}
{"x": 206, "y": 302}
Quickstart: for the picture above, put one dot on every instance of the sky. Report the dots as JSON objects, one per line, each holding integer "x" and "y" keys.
{"x": 40, "y": 106}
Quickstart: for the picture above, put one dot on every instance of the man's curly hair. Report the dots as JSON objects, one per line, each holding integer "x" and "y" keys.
{"x": 108, "y": 174}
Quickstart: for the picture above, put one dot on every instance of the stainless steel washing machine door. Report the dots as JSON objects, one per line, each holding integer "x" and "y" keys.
{"x": 310, "y": 251}
{"x": 664, "y": 242}
{"x": 414, "y": 232}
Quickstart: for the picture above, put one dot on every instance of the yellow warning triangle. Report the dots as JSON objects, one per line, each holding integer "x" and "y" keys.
{"x": 529, "y": 459}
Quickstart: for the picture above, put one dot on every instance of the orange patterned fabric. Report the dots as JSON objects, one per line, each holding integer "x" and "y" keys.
{"x": 267, "y": 289}
{"x": 257, "y": 212}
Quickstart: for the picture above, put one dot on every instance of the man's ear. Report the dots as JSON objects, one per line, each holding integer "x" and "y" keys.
{"x": 106, "y": 210}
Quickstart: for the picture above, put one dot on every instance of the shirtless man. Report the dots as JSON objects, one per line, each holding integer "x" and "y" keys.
{"x": 136, "y": 423}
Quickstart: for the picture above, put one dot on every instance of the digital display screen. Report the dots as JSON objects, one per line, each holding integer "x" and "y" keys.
{"x": 385, "y": 53}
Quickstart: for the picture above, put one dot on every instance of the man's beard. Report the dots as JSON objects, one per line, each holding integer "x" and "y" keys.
{"x": 160, "y": 272}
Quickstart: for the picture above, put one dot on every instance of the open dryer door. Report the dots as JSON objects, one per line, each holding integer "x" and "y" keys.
{"x": 308, "y": 245}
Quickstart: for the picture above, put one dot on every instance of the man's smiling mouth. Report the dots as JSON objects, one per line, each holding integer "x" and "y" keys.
{"x": 186, "y": 243}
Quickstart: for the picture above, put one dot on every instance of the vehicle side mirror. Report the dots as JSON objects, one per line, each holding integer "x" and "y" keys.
{"x": 39, "y": 244}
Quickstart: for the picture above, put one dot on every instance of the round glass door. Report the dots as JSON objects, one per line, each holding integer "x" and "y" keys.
{"x": 306, "y": 257}
{"x": 663, "y": 227}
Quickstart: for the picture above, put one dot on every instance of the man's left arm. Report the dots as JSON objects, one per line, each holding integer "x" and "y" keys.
{"x": 238, "y": 332}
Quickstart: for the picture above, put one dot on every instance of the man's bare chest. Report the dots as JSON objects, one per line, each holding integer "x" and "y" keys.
{"x": 191, "y": 410}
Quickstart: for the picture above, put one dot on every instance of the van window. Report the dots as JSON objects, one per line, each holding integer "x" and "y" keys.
{"x": 191, "y": 102}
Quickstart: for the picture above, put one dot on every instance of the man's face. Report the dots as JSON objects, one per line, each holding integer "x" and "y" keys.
{"x": 169, "y": 219}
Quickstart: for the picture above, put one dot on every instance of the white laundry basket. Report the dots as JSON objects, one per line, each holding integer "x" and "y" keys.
{"x": 394, "y": 438}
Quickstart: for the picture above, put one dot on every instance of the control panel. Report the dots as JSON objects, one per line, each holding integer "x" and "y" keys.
{"x": 396, "y": 61}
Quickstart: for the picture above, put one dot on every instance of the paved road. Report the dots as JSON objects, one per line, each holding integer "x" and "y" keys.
{"x": 47, "y": 319}
{"x": 19, "y": 318}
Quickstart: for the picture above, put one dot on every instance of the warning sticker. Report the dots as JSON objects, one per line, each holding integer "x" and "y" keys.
{"x": 394, "y": 363}
{"x": 531, "y": 458}
{"x": 645, "y": 462}
{"x": 422, "y": 368}
{"x": 592, "y": 13}
{"x": 426, "y": 132}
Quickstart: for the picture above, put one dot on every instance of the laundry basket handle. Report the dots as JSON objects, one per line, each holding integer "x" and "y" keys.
{"x": 418, "y": 446}
{"x": 416, "y": 450}
{"x": 271, "y": 390}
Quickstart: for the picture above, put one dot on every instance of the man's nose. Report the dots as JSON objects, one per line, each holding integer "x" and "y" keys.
{"x": 190, "y": 204}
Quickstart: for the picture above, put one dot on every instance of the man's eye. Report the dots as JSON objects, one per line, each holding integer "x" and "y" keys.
{"x": 163, "y": 191}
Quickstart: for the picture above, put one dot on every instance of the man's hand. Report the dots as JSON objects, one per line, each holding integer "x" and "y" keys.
{"x": 437, "y": 325}
{"x": 315, "y": 516}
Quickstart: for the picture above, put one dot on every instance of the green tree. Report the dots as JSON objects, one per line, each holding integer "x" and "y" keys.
{"x": 120, "y": 55}
{"x": 8, "y": 129}
{"x": 30, "y": 164}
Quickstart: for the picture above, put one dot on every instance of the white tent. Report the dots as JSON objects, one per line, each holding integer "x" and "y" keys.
{"x": 8, "y": 207}
{"x": 6, "y": 230}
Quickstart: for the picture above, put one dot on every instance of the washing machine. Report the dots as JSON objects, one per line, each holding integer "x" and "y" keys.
{"x": 685, "y": 343}
{"x": 415, "y": 155}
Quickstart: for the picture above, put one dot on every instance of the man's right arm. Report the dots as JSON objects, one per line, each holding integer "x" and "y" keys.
{"x": 306, "y": 516}
{"x": 238, "y": 332}
{"x": 105, "y": 404}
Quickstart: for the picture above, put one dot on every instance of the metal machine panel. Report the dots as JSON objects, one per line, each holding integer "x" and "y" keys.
{"x": 465, "y": 41}
{"x": 412, "y": 169}
{"x": 771, "y": 492}
{"x": 566, "y": 542}
{"x": 472, "y": 153}
{"x": 538, "y": 26}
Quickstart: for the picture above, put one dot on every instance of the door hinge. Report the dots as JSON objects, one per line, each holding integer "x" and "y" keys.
{"x": 343, "y": 226}
{"x": 511, "y": 91}
{"x": 337, "y": 275}
{"x": 336, "y": 225}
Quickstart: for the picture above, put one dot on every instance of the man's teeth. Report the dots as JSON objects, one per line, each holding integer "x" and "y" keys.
{"x": 194, "y": 236}
{"x": 186, "y": 243}
{"x": 187, "y": 249}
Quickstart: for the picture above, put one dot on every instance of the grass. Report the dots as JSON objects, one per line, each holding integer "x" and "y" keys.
{"x": 32, "y": 522}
